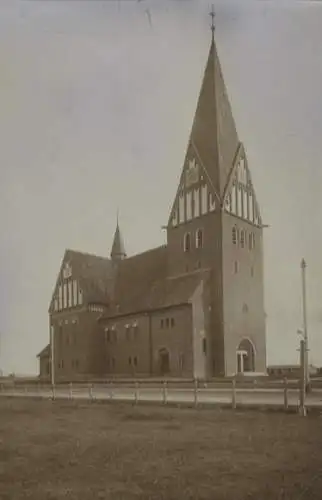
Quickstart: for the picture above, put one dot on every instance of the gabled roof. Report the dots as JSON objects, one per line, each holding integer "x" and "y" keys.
{"x": 94, "y": 273}
{"x": 45, "y": 352}
{"x": 147, "y": 294}
{"x": 214, "y": 140}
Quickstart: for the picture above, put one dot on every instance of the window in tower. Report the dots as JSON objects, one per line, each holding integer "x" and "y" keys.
{"x": 187, "y": 242}
{"x": 199, "y": 238}
{"x": 55, "y": 304}
{"x": 181, "y": 208}
{"x": 204, "y": 199}
{"x": 189, "y": 204}
{"x": 212, "y": 202}
{"x": 233, "y": 199}
{"x": 234, "y": 235}
{"x": 242, "y": 238}
{"x": 196, "y": 206}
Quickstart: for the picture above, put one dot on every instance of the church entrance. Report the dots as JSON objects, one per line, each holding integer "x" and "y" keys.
{"x": 164, "y": 361}
{"x": 245, "y": 357}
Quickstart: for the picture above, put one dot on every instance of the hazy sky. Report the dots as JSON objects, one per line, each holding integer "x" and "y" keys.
{"x": 96, "y": 108}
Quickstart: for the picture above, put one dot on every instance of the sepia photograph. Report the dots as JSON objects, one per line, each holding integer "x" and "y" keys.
{"x": 161, "y": 251}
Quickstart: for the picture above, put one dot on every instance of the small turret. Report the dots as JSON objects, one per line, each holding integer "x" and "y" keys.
{"x": 118, "y": 249}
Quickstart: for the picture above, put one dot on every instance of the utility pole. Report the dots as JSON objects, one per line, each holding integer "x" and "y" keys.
{"x": 52, "y": 359}
{"x": 305, "y": 335}
{"x": 302, "y": 407}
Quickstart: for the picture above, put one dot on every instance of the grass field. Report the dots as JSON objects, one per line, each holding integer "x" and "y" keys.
{"x": 66, "y": 450}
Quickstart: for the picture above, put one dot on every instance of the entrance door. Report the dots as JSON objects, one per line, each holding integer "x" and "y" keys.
{"x": 164, "y": 361}
{"x": 245, "y": 357}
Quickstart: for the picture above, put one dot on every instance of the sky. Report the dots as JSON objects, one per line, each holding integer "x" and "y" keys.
{"x": 96, "y": 106}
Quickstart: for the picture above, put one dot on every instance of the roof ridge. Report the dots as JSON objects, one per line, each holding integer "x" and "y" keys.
{"x": 146, "y": 252}
{"x": 190, "y": 273}
{"x": 87, "y": 254}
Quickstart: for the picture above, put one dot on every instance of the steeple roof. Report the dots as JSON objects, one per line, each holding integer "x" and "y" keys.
{"x": 214, "y": 139}
{"x": 118, "y": 248}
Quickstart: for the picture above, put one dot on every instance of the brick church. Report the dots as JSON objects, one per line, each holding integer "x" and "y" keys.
{"x": 191, "y": 308}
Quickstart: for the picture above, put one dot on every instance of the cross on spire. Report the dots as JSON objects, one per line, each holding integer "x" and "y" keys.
{"x": 212, "y": 15}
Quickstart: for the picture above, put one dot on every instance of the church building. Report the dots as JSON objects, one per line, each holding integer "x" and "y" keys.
{"x": 191, "y": 308}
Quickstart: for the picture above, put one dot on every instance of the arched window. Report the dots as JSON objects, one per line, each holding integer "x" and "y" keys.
{"x": 187, "y": 242}
{"x": 199, "y": 238}
{"x": 242, "y": 238}
{"x": 234, "y": 235}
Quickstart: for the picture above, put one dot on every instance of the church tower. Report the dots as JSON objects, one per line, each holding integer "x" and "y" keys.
{"x": 215, "y": 224}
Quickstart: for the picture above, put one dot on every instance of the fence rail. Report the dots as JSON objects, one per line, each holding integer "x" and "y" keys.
{"x": 232, "y": 393}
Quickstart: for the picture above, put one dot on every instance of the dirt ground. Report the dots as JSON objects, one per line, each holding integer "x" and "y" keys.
{"x": 86, "y": 451}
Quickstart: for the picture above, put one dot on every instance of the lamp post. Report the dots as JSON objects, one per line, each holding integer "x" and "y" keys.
{"x": 304, "y": 331}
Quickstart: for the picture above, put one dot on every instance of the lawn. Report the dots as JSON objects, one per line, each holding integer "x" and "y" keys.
{"x": 84, "y": 451}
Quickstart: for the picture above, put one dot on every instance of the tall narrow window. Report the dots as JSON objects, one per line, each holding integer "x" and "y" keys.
{"x": 55, "y": 304}
{"x": 181, "y": 208}
{"x": 60, "y": 297}
{"x": 233, "y": 199}
{"x": 65, "y": 295}
{"x": 199, "y": 238}
{"x": 245, "y": 204}
{"x": 80, "y": 296}
{"x": 239, "y": 201}
{"x": 175, "y": 218}
{"x": 187, "y": 242}
{"x": 212, "y": 202}
{"x": 234, "y": 235}
{"x": 251, "y": 207}
{"x": 196, "y": 205}
{"x": 70, "y": 294}
{"x": 75, "y": 293}
{"x": 189, "y": 204}
{"x": 204, "y": 199}
{"x": 250, "y": 241}
{"x": 242, "y": 238}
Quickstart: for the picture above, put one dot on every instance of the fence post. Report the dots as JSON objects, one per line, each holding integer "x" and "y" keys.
{"x": 70, "y": 390}
{"x": 165, "y": 392}
{"x": 136, "y": 394}
{"x": 233, "y": 394}
{"x": 196, "y": 392}
{"x": 91, "y": 392}
{"x": 285, "y": 395}
{"x": 111, "y": 390}
{"x": 53, "y": 392}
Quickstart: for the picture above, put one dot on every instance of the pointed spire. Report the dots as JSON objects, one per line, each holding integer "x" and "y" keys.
{"x": 118, "y": 248}
{"x": 214, "y": 138}
{"x": 212, "y": 14}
